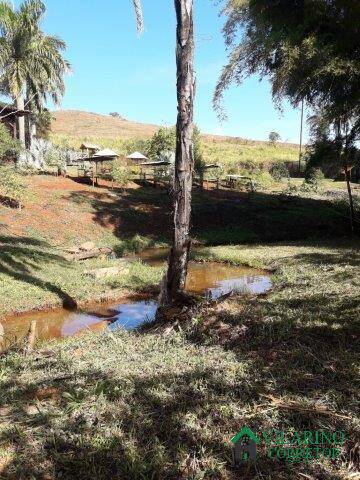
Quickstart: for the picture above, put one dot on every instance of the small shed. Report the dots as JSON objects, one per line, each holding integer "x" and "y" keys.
{"x": 136, "y": 158}
{"x": 89, "y": 149}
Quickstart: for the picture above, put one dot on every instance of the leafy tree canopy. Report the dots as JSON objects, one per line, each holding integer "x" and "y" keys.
{"x": 31, "y": 62}
{"x": 310, "y": 49}
{"x": 162, "y": 141}
{"x": 274, "y": 137}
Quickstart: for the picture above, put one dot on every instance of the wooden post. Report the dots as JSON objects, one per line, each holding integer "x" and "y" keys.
{"x": 201, "y": 175}
{"x": 30, "y": 339}
{"x": 14, "y": 129}
{"x": 2, "y": 338}
{"x": 351, "y": 201}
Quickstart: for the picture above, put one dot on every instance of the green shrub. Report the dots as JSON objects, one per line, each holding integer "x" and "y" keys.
{"x": 279, "y": 171}
{"x": 162, "y": 141}
{"x": 8, "y": 146}
{"x": 341, "y": 204}
{"x": 12, "y": 186}
{"x": 56, "y": 157}
{"x": 121, "y": 174}
{"x": 313, "y": 179}
{"x": 263, "y": 179}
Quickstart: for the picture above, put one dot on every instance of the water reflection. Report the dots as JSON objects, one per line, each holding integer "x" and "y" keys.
{"x": 212, "y": 279}
{"x": 131, "y": 315}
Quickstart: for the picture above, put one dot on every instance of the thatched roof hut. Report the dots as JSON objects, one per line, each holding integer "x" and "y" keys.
{"x": 136, "y": 157}
{"x": 106, "y": 152}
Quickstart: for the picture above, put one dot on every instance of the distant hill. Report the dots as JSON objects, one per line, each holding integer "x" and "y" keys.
{"x": 76, "y": 123}
{"x": 87, "y": 124}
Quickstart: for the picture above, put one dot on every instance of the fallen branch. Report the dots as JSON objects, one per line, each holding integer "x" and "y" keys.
{"x": 292, "y": 405}
{"x": 90, "y": 254}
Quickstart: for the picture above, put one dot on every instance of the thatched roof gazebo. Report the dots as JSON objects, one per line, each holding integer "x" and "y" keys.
{"x": 159, "y": 170}
{"x": 136, "y": 157}
{"x": 106, "y": 153}
{"x": 101, "y": 156}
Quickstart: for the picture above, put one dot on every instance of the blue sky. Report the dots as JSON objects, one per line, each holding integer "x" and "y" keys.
{"x": 114, "y": 70}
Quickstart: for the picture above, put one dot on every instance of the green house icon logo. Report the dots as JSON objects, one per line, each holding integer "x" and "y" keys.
{"x": 244, "y": 445}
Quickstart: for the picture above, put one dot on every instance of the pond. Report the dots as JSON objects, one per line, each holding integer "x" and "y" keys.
{"x": 210, "y": 278}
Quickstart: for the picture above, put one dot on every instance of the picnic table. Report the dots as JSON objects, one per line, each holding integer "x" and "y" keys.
{"x": 234, "y": 180}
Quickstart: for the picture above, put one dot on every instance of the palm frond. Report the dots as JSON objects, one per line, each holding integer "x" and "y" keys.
{"x": 31, "y": 62}
{"x": 139, "y": 16}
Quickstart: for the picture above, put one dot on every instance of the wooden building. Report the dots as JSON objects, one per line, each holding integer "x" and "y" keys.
{"x": 89, "y": 149}
{"x": 9, "y": 116}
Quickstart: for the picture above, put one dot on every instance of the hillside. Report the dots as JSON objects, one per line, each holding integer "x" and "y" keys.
{"x": 73, "y": 127}
{"x": 88, "y": 124}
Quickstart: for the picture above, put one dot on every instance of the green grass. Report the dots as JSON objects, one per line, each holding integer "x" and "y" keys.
{"x": 246, "y": 154}
{"x": 151, "y": 406}
{"x": 33, "y": 275}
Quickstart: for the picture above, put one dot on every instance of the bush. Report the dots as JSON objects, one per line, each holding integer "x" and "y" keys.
{"x": 279, "y": 171}
{"x": 263, "y": 179}
{"x": 120, "y": 174}
{"x": 56, "y": 157}
{"x": 12, "y": 186}
{"x": 313, "y": 179}
{"x": 341, "y": 204}
{"x": 8, "y": 146}
{"x": 162, "y": 141}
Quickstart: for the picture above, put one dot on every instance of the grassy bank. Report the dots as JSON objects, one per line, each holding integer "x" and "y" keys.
{"x": 35, "y": 276}
{"x": 63, "y": 213}
{"x": 146, "y": 406}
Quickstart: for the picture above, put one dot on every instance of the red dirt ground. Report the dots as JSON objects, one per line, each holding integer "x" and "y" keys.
{"x": 51, "y": 211}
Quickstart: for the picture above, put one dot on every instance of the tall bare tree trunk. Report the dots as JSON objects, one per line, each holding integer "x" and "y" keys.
{"x": 20, "y": 105}
{"x": 174, "y": 280}
{"x": 32, "y": 131}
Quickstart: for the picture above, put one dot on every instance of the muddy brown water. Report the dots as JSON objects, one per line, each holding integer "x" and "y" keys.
{"x": 210, "y": 278}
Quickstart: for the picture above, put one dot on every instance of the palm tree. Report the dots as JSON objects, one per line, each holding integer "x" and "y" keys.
{"x": 31, "y": 62}
{"x": 174, "y": 280}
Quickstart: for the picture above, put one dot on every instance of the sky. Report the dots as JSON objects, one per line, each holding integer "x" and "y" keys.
{"x": 114, "y": 70}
